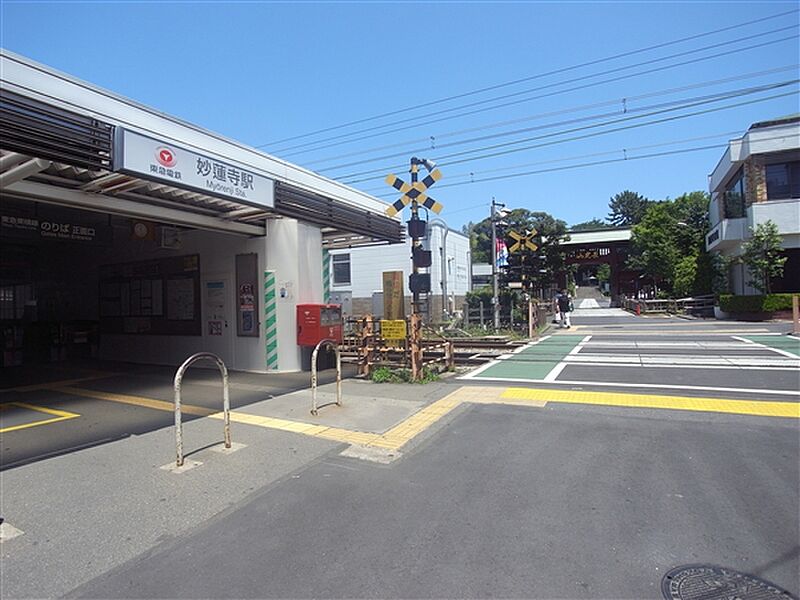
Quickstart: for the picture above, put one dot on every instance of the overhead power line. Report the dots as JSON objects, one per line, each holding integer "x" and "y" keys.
{"x": 373, "y": 132}
{"x": 380, "y": 192}
{"x": 537, "y": 76}
{"x": 623, "y": 110}
{"x": 622, "y": 101}
{"x": 444, "y": 160}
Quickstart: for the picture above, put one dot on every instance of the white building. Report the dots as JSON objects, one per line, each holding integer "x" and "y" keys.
{"x": 756, "y": 180}
{"x": 356, "y": 273}
{"x": 128, "y": 234}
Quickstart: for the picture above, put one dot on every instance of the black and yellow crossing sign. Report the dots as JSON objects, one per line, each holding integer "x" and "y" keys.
{"x": 523, "y": 241}
{"x": 414, "y": 191}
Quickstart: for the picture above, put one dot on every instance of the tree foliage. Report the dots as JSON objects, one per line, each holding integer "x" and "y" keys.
{"x": 762, "y": 255}
{"x": 590, "y": 225}
{"x": 669, "y": 245}
{"x": 604, "y": 273}
{"x": 627, "y": 209}
{"x": 550, "y": 232}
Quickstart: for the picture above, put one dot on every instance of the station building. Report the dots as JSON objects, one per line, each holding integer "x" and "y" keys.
{"x": 356, "y": 273}
{"x": 758, "y": 180}
{"x": 130, "y": 235}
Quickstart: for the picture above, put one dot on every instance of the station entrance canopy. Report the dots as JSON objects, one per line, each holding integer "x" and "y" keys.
{"x": 58, "y": 147}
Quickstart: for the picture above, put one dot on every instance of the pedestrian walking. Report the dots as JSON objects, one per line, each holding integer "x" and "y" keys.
{"x": 564, "y": 307}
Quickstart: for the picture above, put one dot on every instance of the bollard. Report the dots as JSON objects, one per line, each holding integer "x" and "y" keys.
{"x": 796, "y": 314}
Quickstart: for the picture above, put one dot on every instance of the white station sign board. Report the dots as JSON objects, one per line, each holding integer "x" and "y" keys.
{"x": 137, "y": 154}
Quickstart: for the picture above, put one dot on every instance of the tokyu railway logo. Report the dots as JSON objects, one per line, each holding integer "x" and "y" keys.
{"x": 165, "y": 156}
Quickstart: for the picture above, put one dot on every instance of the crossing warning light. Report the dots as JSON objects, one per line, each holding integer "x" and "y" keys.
{"x": 416, "y": 228}
{"x": 419, "y": 283}
{"x": 422, "y": 259}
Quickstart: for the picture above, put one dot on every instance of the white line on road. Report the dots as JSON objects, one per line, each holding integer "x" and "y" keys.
{"x": 556, "y": 371}
{"x": 778, "y": 350}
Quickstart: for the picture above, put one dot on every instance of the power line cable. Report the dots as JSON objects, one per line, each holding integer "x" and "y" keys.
{"x": 595, "y": 134}
{"x": 443, "y": 160}
{"x": 287, "y": 151}
{"x": 623, "y": 151}
{"x": 621, "y": 101}
{"x": 537, "y": 76}
{"x": 623, "y": 110}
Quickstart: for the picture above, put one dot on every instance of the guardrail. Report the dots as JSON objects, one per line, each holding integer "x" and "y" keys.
{"x": 669, "y": 305}
{"x": 226, "y": 403}
{"x": 335, "y": 347}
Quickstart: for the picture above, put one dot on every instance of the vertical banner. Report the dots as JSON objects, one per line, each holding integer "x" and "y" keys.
{"x": 270, "y": 320}
{"x": 393, "y": 298}
{"x": 326, "y": 276}
{"x": 246, "y": 298}
{"x": 502, "y": 253}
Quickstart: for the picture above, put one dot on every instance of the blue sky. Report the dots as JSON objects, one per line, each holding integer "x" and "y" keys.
{"x": 260, "y": 72}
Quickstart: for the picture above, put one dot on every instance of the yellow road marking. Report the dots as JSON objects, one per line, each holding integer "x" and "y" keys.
{"x": 44, "y": 386}
{"x": 134, "y": 400}
{"x": 60, "y": 415}
{"x": 739, "y": 407}
{"x": 396, "y": 437}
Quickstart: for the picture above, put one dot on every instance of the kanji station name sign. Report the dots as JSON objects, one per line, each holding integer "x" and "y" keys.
{"x": 137, "y": 154}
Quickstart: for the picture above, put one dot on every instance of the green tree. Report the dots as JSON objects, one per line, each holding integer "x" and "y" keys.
{"x": 604, "y": 273}
{"x": 590, "y": 225}
{"x": 669, "y": 245}
{"x": 685, "y": 275}
{"x": 655, "y": 250}
{"x": 627, "y": 209}
{"x": 762, "y": 256}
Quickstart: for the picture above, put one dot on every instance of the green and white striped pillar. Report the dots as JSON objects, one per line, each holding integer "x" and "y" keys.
{"x": 271, "y": 320}
{"x": 326, "y": 276}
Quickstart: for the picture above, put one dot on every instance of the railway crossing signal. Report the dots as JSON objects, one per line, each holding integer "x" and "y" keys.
{"x": 419, "y": 283}
{"x": 414, "y": 191}
{"x": 523, "y": 241}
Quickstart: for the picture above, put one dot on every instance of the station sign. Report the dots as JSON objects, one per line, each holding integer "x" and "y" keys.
{"x": 139, "y": 155}
{"x": 53, "y": 227}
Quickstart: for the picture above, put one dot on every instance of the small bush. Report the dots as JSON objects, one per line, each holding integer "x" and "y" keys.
{"x": 755, "y": 304}
{"x": 388, "y": 375}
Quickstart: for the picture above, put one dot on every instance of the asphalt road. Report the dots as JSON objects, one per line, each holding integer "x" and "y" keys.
{"x": 505, "y": 502}
{"x": 573, "y": 496}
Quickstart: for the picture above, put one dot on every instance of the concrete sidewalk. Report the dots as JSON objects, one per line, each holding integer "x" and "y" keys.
{"x": 88, "y": 511}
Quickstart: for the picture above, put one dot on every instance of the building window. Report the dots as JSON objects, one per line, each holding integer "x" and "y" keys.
{"x": 734, "y": 197}
{"x": 341, "y": 269}
{"x": 783, "y": 181}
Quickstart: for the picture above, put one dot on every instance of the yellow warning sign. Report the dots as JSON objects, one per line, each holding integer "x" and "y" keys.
{"x": 393, "y": 329}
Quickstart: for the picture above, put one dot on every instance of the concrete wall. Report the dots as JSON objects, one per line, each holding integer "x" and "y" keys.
{"x": 294, "y": 252}
{"x": 368, "y": 264}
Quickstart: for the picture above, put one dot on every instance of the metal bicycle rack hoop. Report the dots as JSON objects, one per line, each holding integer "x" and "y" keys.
{"x": 226, "y": 403}
{"x": 314, "y": 354}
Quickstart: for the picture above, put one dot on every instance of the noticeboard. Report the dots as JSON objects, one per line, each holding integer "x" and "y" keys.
{"x": 394, "y": 329}
{"x": 157, "y": 297}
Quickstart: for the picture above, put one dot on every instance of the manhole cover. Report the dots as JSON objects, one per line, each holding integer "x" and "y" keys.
{"x": 704, "y": 582}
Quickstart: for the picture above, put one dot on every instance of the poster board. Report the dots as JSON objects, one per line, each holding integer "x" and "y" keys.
{"x": 158, "y": 297}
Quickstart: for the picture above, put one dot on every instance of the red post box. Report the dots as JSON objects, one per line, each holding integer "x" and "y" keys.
{"x": 317, "y": 322}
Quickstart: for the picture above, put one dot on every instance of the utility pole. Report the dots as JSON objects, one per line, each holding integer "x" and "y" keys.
{"x": 495, "y": 299}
